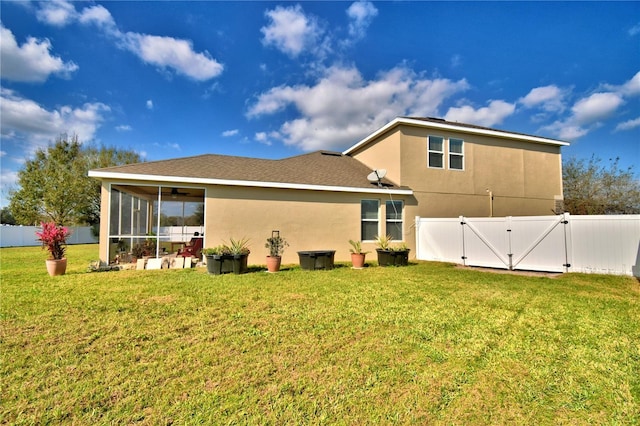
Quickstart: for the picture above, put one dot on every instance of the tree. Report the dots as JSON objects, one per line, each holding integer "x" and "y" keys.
{"x": 590, "y": 188}
{"x": 98, "y": 158}
{"x": 55, "y": 186}
{"x": 6, "y": 218}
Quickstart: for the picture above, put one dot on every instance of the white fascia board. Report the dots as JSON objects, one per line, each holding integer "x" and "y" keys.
{"x": 452, "y": 127}
{"x": 279, "y": 185}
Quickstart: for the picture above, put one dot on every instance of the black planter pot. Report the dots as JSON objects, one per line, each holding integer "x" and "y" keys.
{"x": 227, "y": 263}
{"x": 393, "y": 257}
{"x": 239, "y": 263}
{"x": 316, "y": 259}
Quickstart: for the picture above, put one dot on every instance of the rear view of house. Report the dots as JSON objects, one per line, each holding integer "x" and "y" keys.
{"x": 321, "y": 200}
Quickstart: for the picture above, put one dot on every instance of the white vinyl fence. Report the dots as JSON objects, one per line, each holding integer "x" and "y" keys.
{"x": 20, "y": 236}
{"x": 593, "y": 244}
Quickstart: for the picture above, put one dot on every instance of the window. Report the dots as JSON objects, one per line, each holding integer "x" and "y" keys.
{"x": 369, "y": 219}
{"x": 394, "y": 219}
{"x": 456, "y": 154}
{"x": 435, "y": 152}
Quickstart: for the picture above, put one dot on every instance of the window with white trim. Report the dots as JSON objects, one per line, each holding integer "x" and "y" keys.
{"x": 369, "y": 218}
{"x": 435, "y": 154}
{"x": 394, "y": 219}
{"x": 456, "y": 154}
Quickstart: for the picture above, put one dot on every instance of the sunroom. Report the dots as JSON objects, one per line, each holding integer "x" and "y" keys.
{"x": 152, "y": 220}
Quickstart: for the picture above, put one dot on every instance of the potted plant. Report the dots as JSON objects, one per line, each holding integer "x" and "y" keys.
{"x": 54, "y": 238}
{"x": 357, "y": 255}
{"x": 239, "y": 251}
{"x": 276, "y": 245}
{"x": 215, "y": 258}
{"x": 389, "y": 255}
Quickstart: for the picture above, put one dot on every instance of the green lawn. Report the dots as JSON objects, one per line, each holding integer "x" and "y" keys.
{"x": 424, "y": 344}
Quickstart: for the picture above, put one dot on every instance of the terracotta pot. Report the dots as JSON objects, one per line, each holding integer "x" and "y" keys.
{"x": 273, "y": 263}
{"x": 56, "y": 266}
{"x": 357, "y": 259}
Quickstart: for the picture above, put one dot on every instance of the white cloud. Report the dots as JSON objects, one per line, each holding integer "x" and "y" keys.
{"x": 229, "y": 133}
{"x": 30, "y": 62}
{"x": 596, "y": 107}
{"x": 631, "y": 87}
{"x": 361, "y": 14}
{"x": 24, "y": 118}
{"x": 178, "y": 54}
{"x": 635, "y": 30}
{"x": 99, "y": 16}
{"x": 290, "y": 30}
{"x": 262, "y": 138}
{"x": 592, "y": 111}
{"x": 549, "y": 98}
{"x": 58, "y": 13}
{"x": 163, "y": 52}
{"x": 490, "y": 115}
{"x": 149, "y": 104}
{"x": 628, "y": 125}
{"x": 343, "y": 107}
{"x": 124, "y": 128}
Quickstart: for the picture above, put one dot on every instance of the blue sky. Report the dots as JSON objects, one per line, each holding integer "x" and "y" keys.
{"x": 276, "y": 79}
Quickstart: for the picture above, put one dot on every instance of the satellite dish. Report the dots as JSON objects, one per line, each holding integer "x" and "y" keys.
{"x": 377, "y": 175}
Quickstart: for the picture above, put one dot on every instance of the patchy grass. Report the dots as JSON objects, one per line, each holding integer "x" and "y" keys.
{"x": 424, "y": 344}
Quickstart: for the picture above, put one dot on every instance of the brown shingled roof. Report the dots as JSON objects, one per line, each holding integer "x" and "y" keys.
{"x": 320, "y": 168}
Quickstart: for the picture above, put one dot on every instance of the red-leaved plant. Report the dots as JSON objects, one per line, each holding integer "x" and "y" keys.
{"x": 54, "y": 238}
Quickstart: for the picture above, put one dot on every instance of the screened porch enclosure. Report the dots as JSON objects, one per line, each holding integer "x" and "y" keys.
{"x": 152, "y": 220}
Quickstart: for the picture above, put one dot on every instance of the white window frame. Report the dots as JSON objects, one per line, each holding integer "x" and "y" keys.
{"x": 430, "y": 151}
{"x": 376, "y": 220}
{"x": 456, "y": 154}
{"x": 400, "y": 220}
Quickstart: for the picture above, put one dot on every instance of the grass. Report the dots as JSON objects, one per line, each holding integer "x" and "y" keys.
{"x": 424, "y": 344}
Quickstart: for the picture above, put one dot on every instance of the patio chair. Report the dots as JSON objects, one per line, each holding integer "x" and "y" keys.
{"x": 192, "y": 248}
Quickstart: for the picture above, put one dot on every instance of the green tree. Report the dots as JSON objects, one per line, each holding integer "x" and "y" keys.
{"x": 591, "y": 188}
{"x": 6, "y": 218}
{"x": 55, "y": 186}
{"x": 97, "y": 158}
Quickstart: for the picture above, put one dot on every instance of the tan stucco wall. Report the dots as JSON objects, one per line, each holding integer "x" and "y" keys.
{"x": 525, "y": 178}
{"x": 308, "y": 220}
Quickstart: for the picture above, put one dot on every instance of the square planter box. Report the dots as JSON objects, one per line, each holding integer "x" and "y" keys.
{"x": 393, "y": 258}
{"x": 316, "y": 259}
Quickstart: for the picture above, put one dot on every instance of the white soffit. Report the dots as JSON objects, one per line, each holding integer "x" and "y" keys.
{"x": 280, "y": 185}
{"x": 453, "y": 127}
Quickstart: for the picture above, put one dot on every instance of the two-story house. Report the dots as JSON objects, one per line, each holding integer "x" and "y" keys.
{"x": 321, "y": 200}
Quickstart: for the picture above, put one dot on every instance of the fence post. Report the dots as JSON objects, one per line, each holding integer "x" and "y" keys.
{"x": 464, "y": 254}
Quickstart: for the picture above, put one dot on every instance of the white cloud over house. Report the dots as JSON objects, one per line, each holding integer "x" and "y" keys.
{"x": 490, "y": 115}
{"x": 628, "y": 125}
{"x": 342, "y": 107}
{"x": 30, "y": 62}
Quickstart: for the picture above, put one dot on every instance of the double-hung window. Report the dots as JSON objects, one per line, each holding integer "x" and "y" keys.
{"x": 435, "y": 155}
{"x": 394, "y": 219}
{"x": 456, "y": 154}
{"x": 369, "y": 218}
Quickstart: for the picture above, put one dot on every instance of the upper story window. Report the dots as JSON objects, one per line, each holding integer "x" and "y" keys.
{"x": 369, "y": 217}
{"x": 435, "y": 155}
{"x": 456, "y": 154}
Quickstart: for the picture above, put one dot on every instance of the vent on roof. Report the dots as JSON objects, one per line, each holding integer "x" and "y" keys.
{"x": 437, "y": 119}
{"x": 331, "y": 153}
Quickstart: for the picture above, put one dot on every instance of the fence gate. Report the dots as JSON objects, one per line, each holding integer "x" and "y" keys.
{"x": 535, "y": 243}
